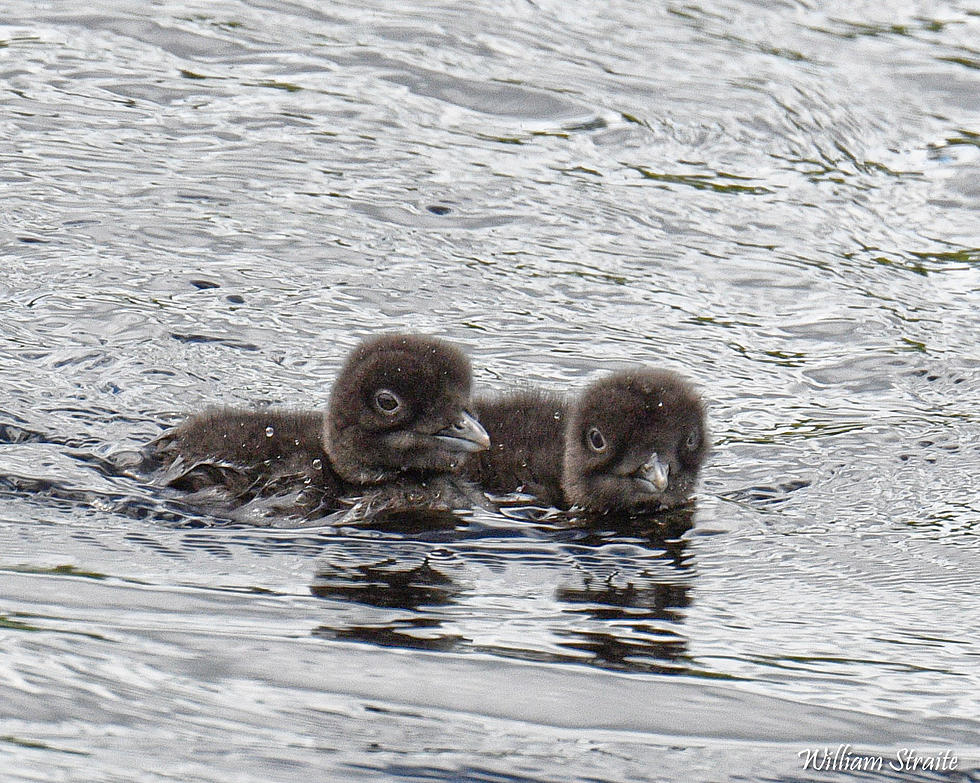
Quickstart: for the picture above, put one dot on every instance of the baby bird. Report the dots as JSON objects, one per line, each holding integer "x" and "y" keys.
{"x": 633, "y": 442}
{"x": 396, "y": 430}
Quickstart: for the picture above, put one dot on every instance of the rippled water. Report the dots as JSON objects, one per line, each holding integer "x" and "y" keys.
{"x": 210, "y": 203}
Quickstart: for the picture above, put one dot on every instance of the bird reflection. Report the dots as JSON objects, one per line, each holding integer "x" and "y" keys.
{"x": 621, "y": 585}
{"x": 387, "y": 583}
{"x": 636, "y": 609}
{"x": 663, "y": 531}
{"x": 405, "y": 522}
{"x": 408, "y": 633}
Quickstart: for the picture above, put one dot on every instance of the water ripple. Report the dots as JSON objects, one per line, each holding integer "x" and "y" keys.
{"x": 211, "y": 204}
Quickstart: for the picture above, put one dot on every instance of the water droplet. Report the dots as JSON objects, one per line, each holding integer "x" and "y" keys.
{"x": 557, "y": 415}
{"x": 296, "y": 441}
{"x": 318, "y": 464}
{"x": 269, "y": 432}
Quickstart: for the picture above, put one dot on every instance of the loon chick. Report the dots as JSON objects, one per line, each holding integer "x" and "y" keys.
{"x": 396, "y": 429}
{"x": 632, "y": 442}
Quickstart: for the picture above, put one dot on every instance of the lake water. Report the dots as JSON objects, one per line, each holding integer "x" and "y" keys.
{"x": 211, "y": 202}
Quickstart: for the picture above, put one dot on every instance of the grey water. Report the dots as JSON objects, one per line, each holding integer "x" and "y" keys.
{"x": 210, "y": 202}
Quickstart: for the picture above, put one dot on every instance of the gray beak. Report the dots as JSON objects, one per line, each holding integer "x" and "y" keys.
{"x": 655, "y": 472}
{"x": 465, "y": 435}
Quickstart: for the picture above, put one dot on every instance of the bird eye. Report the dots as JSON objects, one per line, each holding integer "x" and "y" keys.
{"x": 596, "y": 442}
{"x": 693, "y": 440}
{"x": 387, "y": 401}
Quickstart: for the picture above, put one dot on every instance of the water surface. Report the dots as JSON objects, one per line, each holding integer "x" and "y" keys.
{"x": 210, "y": 203}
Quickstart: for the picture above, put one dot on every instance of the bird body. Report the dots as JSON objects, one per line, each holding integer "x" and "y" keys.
{"x": 396, "y": 431}
{"x": 632, "y": 442}
{"x": 526, "y": 431}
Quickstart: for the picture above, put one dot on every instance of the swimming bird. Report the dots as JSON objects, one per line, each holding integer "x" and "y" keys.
{"x": 635, "y": 442}
{"x": 632, "y": 442}
{"x": 396, "y": 430}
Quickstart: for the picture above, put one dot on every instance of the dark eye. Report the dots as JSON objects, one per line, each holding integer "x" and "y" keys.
{"x": 693, "y": 440}
{"x": 387, "y": 401}
{"x": 596, "y": 442}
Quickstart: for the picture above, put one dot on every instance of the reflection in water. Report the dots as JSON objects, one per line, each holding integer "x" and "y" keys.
{"x": 642, "y": 653}
{"x": 385, "y": 583}
{"x": 619, "y": 587}
{"x": 637, "y": 605}
{"x": 631, "y": 645}
{"x": 656, "y": 531}
{"x": 389, "y": 584}
{"x": 414, "y": 633}
{"x": 406, "y": 522}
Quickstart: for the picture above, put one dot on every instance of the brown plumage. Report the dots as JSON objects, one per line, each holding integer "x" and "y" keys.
{"x": 396, "y": 429}
{"x": 632, "y": 442}
{"x": 527, "y": 432}
{"x": 635, "y": 442}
